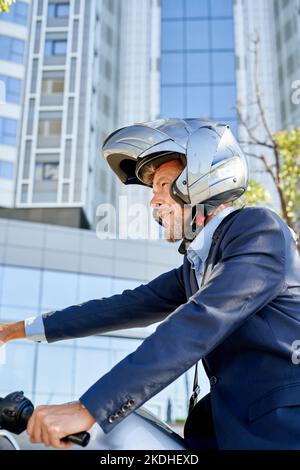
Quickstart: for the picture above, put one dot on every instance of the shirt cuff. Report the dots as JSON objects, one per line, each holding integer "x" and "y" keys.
{"x": 34, "y": 329}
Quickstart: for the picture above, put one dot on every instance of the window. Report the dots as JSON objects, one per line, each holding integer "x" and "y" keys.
{"x": 276, "y": 8}
{"x": 20, "y": 287}
{"x": 194, "y": 8}
{"x": 46, "y": 171}
{"x": 290, "y": 64}
{"x": 109, "y": 35}
{"x": 172, "y": 35}
{"x": 108, "y": 69}
{"x": 172, "y": 101}
{"x": 57, "y": 360}
{"x": 198, "y": 70}
{"x": 53, "y": 86}
{"x": 221, "y": 8}
{"x": 8, "y": 131}
{"x": 94, "y": 287}
{"x": 224, "y": 100}
{"x": 12, "y": 89}
{"x": 280, "y": 74}
{"x": 198, "y": 101}
{"x": 19, "y": 368}
{"x": 53, "y": 296}
{"x": 197, "y": 35}
{"x": 288, "y": 31}
{"x": 283, "y": 111}
{"x": 49, "y": 127}
{"x": 278, "y": 40}
{"x": 171, "y": 9}
{"x": 172, "y": 68}
{"x": 18, "y": 13}
{"x": 223, "y": 66}
{"x": 222, "y": 34}
{"x": 6, "y": 170}
{"x": 56, "y": 47}
{"x": 58, "y": 10}
{"x": 106, "y": 104}
{"x": 12, "y": 49}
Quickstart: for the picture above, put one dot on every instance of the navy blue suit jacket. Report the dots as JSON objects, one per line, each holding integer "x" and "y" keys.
{"x": 242, "y": 323}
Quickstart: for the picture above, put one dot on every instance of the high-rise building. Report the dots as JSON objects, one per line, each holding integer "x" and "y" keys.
{"x": 139, "y": 81}
{"x": 267, "y": 48}
{"x": 198, "y": 76}
{"x": 139, "y": 74}
{"x": 198, "y": 60}
{"x": 286, "y": 18}
{"x": 14, "y": 27}
{"x": 70, "y": 104}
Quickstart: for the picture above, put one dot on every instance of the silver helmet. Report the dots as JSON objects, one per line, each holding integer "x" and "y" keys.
{"x": 215, "y": 169}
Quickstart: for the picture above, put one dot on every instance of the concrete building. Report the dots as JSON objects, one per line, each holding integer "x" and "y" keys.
{"x": 14, "y": 29}
{"x": 70, "y": 104}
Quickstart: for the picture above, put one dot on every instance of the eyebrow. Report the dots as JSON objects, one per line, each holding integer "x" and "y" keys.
{"x": 160, "y": 178}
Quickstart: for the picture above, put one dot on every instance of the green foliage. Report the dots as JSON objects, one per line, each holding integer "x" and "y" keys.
{"x": 5, "y": 4}
{"x": 286, "y": 177}
{"x": 288, "y": 146}
{"x": 255, "y": 195}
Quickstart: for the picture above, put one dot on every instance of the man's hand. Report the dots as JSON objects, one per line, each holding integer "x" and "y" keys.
{"x": 50, "y": 423}
{"x": 12, "y": 331}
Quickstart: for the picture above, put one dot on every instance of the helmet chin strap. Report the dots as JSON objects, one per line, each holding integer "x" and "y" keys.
{"x": 193, "y": 226}
{"x": 199, "y": 214}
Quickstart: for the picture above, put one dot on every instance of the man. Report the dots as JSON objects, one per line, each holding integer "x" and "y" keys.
{"x": 234, "y": 303}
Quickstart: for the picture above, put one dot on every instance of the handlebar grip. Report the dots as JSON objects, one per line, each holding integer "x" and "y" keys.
{"x": 80, "y": 438}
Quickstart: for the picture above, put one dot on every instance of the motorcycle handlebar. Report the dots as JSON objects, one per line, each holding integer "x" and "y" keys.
{"x": 15, "y": 411}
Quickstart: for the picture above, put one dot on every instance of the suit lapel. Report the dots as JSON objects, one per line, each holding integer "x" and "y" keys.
{"x": 211, "y": 258}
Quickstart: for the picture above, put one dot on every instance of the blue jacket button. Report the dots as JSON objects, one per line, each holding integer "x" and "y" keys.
{"x": 213, "y": 380}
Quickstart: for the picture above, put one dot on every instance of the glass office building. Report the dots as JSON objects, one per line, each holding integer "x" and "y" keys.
{"x": 45, "y": 268}
{"x": 198, "y": 60}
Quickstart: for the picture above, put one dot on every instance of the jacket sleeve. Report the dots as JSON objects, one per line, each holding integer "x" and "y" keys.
{"x": 138, "y": 307}
{"x": 249, "y": 274}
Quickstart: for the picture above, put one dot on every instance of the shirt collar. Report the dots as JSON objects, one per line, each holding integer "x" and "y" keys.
{"x": 198, "y": 250}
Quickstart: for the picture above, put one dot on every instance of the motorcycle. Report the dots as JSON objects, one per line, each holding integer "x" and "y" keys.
{"x": 140, "y": 430}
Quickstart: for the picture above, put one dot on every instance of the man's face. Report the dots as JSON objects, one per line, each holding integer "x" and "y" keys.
{"x": 169, "y": 211}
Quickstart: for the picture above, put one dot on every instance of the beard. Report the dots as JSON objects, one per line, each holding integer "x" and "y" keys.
{"x": 172, "y": 221}
{"x": 178, "y": 222}
{"x": 174, "y": 231}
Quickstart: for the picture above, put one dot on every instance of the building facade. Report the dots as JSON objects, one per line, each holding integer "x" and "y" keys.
{"x": 70, "y": 105}
{"x": 14, "y": 30}
{"x": 267, "y": 48}
{"x": 44, "y": 268}
{"x": 198, "y": 60}
{"x": 286, "y": 14}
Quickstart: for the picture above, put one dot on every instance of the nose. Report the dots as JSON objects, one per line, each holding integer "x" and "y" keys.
{"x": 156, "y": 201}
